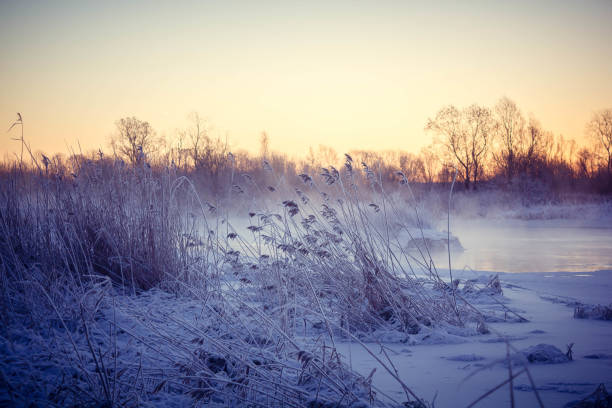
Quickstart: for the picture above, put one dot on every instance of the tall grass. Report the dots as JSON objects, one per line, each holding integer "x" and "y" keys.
{"x": 342, "y": 257}
{"x": 321, "y": 259}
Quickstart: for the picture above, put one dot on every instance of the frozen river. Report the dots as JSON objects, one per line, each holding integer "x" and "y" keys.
{"x": 531, "y": 246}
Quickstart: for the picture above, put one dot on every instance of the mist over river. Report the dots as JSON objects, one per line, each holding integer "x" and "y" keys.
{"x": 530, "y": 245}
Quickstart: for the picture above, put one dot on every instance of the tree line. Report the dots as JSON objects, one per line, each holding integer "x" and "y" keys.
{"x": 479, "y": 146}
{"x": 499, "y": 144}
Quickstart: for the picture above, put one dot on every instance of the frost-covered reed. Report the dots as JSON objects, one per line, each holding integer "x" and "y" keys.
{"x": 103, "y": 266}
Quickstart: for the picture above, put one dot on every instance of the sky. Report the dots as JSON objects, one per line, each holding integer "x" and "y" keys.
{"x": 346, "y": 74}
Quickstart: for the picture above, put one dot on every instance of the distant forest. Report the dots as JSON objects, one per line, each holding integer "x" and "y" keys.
{"x": 481, "y": 148}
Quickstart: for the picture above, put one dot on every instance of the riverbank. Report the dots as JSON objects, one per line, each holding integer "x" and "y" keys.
{"x": 455, "y": 374}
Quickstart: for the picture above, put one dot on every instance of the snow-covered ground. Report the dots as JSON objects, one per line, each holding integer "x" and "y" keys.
{"x": 458, "y": 373}
{"x": 160, "y": 340}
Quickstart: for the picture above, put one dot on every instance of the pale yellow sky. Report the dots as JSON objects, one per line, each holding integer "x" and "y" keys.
{"x": 350, "y": 74}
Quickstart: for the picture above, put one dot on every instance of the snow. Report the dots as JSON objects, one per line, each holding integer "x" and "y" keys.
{"x": 453, "y": 367}
{"x": 457, "y": 373}
{"x": 544, "y": 354}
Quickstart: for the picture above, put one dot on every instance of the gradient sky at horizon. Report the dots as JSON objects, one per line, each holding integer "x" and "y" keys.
{"x": 347, "y": 74}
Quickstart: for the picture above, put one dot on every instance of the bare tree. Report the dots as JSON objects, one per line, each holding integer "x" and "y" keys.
{"x": 323, "y": 156}
{"x": 535, "y": 139}
{"x": 209, "y": 154}
{"x": 412, "y": 166}
{"x": 600, "y": 129}
{"x": 431, "y": 163}
{"x": 447, "y": 124}
{"x": 198, "y": 136}
{"x": 510, "y": 125}
{"x": 465, "y": 134}
{"x": 586, "y": 163}
{"x": 179, "y": 154}
{"x": 535, "y": 150}
{"x": 479, "y": 122}
{"x": 135, "y": 139}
